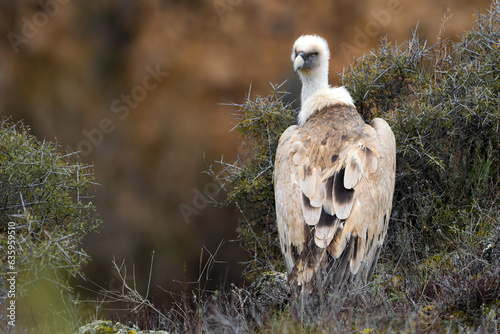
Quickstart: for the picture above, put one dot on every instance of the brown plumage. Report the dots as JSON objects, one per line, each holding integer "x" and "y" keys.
{"x": 334, "y": 181}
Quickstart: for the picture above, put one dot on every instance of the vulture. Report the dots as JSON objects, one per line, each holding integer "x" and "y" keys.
{"x": 334, "y": 181}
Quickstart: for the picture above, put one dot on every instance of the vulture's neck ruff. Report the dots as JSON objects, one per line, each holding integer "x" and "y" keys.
{"x": 310, "y": 58}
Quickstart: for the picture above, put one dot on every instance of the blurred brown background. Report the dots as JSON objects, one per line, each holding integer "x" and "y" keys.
{"x": 138, "y": 86}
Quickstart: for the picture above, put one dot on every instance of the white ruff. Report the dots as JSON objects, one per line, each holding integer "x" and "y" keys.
{"x": 322, "y": 98}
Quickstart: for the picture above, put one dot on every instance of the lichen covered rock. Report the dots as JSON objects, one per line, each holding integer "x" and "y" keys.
{"x": 110, "y": 327}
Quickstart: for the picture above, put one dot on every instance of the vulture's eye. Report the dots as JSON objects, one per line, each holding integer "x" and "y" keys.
{"x": 313, "y": 55}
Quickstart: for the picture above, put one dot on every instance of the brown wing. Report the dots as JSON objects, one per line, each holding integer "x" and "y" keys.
{"x": 334, "y": 181}
{"x": 289, "y": 217}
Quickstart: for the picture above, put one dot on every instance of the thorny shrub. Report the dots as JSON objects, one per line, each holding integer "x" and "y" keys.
{"x": 44, "y": 192}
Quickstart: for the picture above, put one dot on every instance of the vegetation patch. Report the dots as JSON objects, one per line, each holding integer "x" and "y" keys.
{"x": 45, "y": 209}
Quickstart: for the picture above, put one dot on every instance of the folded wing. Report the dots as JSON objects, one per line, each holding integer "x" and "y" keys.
{"x": 333, "y": 188}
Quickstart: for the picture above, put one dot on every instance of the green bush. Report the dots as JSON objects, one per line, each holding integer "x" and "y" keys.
{"x": 248, "y": 181}
{"x": 44, "y": 193}
{"x": 445, "y": 115}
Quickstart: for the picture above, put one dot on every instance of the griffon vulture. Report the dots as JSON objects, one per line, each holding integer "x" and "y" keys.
{"x": 333, "y": 179}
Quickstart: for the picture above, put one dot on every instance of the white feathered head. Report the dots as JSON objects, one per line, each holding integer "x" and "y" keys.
{"x": 310, "y": 53}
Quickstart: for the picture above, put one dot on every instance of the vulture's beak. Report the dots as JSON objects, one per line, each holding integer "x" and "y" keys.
{"x": 299, "y": 61}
